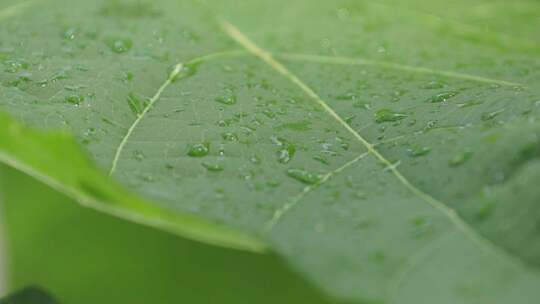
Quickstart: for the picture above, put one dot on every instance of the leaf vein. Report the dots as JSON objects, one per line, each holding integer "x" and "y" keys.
{"x": 451, "y": 214}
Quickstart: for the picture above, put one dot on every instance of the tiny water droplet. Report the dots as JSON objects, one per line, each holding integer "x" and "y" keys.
{"x": 226, "y": 100}
{"x": 422, "y": 226}
{"x": 120, "y": 45}
{"x": 304, "y": 176}
{"x": 135, "y": 104}
{"x": 470, "y": 103}
{"x": 442, "y": 97}
{"x": 212, "y": 167}
{"x": 419, "y": 151}
{"x": 321, "y": 159}
{"x": 229, "y": 136}
{"x": 286, "y": 154}
{"x": 387, "y": 115}
{"x": 199, "y": 150}
{"x": 255, "y": 159}
{"x": 74, "y": 99}
{"x": 460, "y": 158}
{"x": 69, "y": 34}
{"x": 491, "y": 115}
{"x": 362, "y": 105}
{"x": 139, "y": 155}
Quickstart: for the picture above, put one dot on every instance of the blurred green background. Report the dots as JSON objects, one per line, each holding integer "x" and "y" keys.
{"x": 82, "y": 256}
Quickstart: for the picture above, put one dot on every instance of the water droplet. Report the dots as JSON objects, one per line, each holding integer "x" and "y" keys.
{"x": 139, "y": 155}
{"x": 286, "y": 154}
{"x": 229, "y": 136}
{"x": 347, "y": 96}
{"x": 199, "y": 150}
{"x": 255, "y": 159}
{"x": 321, "y": 159}
{"x": 74, "y": 99}
{"x": 419, "y": 151}
{"x": 120, "y": 45}
{"x": 470, "y": 103}
{"x": 362, "y": 105}
{"x": 422, "y": 226}
{"x": 387, "y": 115}
{"x": 226, "y": 100}
{"x": 303, "y": 125}
{"x": 69, "y": 34}
{"x": 442, "y": 97}
{"x": 491, "y": 115}
{"x": 213, "y": 167}
{"x": 304, "y": 176}
{"x": 460, "y": 158}
{"x": 135, "y": 104}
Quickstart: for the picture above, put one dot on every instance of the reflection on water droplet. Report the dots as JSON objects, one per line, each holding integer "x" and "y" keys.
{"x": 387, "y": 115}
{"x": 441, "y": 97}
{"x": 304, "y": 176}
{"x": 199, "y": 150}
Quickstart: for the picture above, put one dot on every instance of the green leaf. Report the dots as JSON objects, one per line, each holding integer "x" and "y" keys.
{"x": 83, "y": 256}
{"x": 389, "y": 151}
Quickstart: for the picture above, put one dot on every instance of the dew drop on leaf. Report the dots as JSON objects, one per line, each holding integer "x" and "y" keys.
{"x": 212, "y": 167}
{"x": 226, "y": 100}
{"x": 229, "y": 136}
{"x": 74, "y": 99}
{"x": 304, "y": 176}
{"x": 419, "y": 151}
{"x": 442, "y": 97}
{"x": 387, "y": 115}
{"x": 199, "y": 150}
{"x": 120, "y": 45}
{"x": 460, "y": 158}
